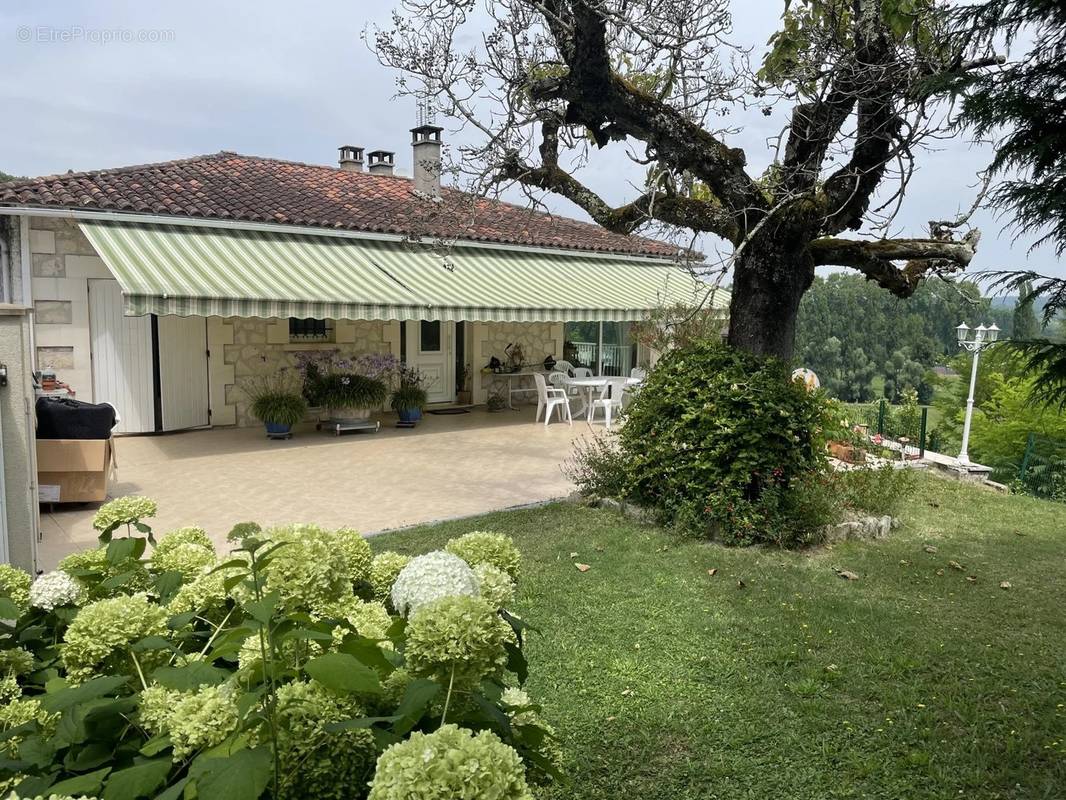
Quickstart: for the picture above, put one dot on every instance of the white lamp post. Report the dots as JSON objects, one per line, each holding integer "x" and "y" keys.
{"x": 982, "y": 338}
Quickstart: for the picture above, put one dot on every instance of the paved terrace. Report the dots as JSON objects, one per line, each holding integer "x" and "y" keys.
{"x": 449, "y": 466}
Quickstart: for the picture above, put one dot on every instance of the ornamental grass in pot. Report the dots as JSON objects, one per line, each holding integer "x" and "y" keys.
{"x": 277, "y": 402}
{"x": 409, "y": 398}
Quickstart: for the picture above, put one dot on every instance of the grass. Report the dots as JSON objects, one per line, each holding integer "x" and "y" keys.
{"x": 911, "y": 682}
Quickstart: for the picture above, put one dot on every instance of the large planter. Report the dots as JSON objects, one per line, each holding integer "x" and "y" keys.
{"x": 275, "y": 430}
{"x": 349, "y": 414}
{"x": 409, "y": 414}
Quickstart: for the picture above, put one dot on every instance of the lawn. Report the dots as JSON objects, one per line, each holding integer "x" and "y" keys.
{"x": 775, "y": 678}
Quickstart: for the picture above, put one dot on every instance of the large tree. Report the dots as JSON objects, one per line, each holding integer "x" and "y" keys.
{"x": 544, "y": 84}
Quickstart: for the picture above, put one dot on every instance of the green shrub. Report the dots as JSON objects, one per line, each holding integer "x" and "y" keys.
{"x": 879, "y": 491}
{"x": 408, "y": 398}
{"x": 714, "y": 439}
{"x": 266, "y": 672}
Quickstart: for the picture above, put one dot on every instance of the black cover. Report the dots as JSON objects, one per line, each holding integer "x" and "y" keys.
{"x": 63, "y": 418}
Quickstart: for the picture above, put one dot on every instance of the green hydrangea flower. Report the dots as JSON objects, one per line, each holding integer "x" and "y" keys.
{"x": 461, "y": 636}
{"x": 123, "y": 511}
{"x": 367, "y": 619}
{"x": 495, "y": 585}
{"x": 188, "y": 558}
{"x": 486, "y": 547}
{"x": 310, "y": 570}
{"x": 205, "y": 594}
{"x": 99, "y": 638}
{"x": 15, "y": 584}
{"x": 154, "y": 705}
{"x": 202, "y": 719}
{"x": 383, "y": 571}
{"x": 90, "y": 568}
{"x": 193, "y": 720}
{"x": 447, "y": 764}
{"x": 20, "y": 711}
{"x": 357, "y": 553}
{"x": 180, "y": 536}
{"x": 16, "y": 661}
{"x": 318, "y": 763}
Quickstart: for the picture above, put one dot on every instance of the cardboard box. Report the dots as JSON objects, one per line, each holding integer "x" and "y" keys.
{"x": 73, "y": 470}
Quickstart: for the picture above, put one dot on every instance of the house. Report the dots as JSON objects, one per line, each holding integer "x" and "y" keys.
{"x": 164, "y": 288}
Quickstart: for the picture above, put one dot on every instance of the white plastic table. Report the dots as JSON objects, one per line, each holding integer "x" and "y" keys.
{"x": 591, "y": 384}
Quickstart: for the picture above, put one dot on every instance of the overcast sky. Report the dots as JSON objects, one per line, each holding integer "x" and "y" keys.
{"x": 295, "y": 81}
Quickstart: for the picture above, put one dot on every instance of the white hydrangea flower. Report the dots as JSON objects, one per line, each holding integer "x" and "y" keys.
{"x": 430, "y": 577}
{"x": 54, "y": 589}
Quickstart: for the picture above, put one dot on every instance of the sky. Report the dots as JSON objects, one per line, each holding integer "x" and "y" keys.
{"x": 110, "y": 83}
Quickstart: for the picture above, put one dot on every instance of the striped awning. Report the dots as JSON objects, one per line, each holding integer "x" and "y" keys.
{"x": 206, "y": 271}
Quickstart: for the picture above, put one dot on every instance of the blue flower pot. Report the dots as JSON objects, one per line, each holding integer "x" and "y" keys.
{"x": 410, "y": 414}
{"x": 277, "y": 429}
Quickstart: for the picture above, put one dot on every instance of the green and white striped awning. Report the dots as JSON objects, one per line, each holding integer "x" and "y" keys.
{"x": 206, "y": 271}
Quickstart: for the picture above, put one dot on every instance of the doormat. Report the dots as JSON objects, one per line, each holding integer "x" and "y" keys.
{"x": 446, "y": 412}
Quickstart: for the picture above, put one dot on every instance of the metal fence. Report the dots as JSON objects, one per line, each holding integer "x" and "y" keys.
{"x": 1042, "y": 471}
{"x": 906, "y": 425}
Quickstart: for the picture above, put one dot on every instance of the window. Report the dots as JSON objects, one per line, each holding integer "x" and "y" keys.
{"x": 310, "y": 330}
{"x": 604, "y": 347}
{"x": 429, "y": 337}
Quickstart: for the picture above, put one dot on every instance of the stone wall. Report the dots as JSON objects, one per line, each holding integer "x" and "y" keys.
{"x": 63, "y": 263}
{"x": 537, "y": 339}
{"x": 256, "y": 347}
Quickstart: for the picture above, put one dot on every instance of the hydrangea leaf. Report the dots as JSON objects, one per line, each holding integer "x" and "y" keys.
{"x": 240, "y": 776}
{"x": 190, "y": 677}
{"x": 343, "y": 672}
{"x": 416, "y": 698}
{"x": 141, "y": 780}
{"x": 88, "y": 784}
{"x": 64, "y": 697}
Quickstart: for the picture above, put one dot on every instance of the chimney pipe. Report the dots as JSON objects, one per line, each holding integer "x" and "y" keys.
{"x": 426, "y": 142}
{"x": 351, "y": 159}
{"x": 381, "y": 162}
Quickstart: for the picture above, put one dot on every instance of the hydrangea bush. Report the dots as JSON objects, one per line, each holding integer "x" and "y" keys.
{"x": 298, "y": 665}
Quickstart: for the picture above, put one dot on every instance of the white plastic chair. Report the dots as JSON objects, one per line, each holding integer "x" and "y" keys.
{"x": 610, "y": 399}
{"x": 638, "y": 373}
{"x": 560, "y": 380}
{"x": 582, "y": 372}
{"x": 548, "y": 398}
{"x": 563, "y": 366}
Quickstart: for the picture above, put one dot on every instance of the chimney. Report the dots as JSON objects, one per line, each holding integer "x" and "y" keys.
{"x": 351, "y": 159}
{"x": 380, "y": 162}
{"x": 425, "y": 142}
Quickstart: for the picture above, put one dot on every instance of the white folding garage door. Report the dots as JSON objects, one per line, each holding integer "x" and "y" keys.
{"x": 125, "y": 363}
{"x": 122, "y": 358}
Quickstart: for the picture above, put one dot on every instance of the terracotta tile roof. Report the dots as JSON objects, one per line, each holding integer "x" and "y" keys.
{"x": 230, "y": 186}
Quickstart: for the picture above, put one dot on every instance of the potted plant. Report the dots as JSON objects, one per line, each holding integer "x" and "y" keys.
{"x": 351, "y": 397}
{"x": 277, "y": 403}
{"x": 409, "y": 397}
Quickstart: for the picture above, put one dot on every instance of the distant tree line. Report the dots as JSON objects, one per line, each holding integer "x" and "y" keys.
{"x": 857, "y": 338}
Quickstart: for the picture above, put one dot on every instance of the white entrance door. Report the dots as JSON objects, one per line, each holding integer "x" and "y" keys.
{"x": 183, "y": 372}
{"x": 121, "y": 358}
{"x": 431, "y": 349}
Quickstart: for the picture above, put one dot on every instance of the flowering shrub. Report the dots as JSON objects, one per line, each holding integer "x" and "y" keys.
{"x": 54, "y": 589}
{"x": 495, "y": 585}
{"x": 431, "y": 577}
{"x": 457, "y": 639}
{"x": 14, "y": 585}
{"x": 485, "y": 547}
{"x": 140, "y": 671}
{"x": 383, "y": 572}
{"x": 450, "y": 763}
{"x": 123, "y": 511}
